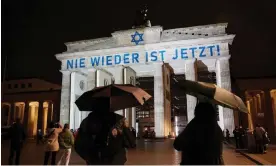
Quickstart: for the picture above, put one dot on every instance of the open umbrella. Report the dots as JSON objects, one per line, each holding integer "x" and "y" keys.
{"x": 112, "y": 97}
{"x": 215, "y": 94}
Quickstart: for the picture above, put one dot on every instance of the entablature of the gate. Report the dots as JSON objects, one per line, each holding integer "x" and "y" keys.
{"x": 192, "y": 42}
{"x": 149, "y": 53}
{"x": 147, "y": 70}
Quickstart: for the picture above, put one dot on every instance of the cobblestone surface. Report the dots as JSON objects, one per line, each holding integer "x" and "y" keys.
{"x": 146, "y": 153}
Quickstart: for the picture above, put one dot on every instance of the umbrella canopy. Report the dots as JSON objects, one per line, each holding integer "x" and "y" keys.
{"x": 215, "y": 94}
{"x": 112, "y": 97}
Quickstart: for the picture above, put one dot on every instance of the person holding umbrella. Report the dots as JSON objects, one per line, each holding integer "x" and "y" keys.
{"x": 202, "y": 139}
{"x": 104, "y": 135}
{"x": 102, "y": 139}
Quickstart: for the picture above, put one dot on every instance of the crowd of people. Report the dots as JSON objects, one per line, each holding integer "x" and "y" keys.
{"x": 240, "y": 137}
{"x": 60, "y": 140}
{"x": 102, "y": 139}
{"x": 260, "y": 136}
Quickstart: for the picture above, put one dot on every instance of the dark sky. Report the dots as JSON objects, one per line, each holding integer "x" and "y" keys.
{"x": 34, "y": 31}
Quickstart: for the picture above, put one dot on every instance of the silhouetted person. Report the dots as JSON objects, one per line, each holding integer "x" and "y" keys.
{"x": 133, "y": 131}
{"x": 259, "y": 133}
{"x": 242, "y": 137}
{"x": 237, "y": 137}
{"x": 227, "y": 135}
{"x": 121, "y": 139}
{"x": 102, "y": 139}
{"x": 201, "y": 141}
{"x": 266, "y": 141}
{"x": 17, "y": 135}
{"x": 39, "y": 136}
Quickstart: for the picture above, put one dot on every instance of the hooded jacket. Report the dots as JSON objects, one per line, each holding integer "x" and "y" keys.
{"x": 66, "y": 139}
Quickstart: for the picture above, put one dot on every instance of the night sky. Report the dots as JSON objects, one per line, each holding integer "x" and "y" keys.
{"x": 34, "y": 31}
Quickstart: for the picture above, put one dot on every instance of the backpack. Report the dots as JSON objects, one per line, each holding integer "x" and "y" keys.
{"x": 93, "y": 135}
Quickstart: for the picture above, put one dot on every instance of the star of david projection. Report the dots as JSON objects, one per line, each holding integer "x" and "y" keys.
{"x": 137, "y": 37}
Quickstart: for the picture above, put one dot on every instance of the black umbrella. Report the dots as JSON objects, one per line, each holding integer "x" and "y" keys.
{"x": 112, "y": 97}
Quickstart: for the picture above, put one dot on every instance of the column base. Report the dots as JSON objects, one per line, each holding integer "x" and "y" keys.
{"x": 154, "y": 139}
{"x": 160, "y": 138}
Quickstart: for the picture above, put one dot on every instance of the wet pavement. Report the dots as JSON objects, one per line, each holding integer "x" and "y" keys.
{"x": 146, "y": 153}
{"x": 266, "y": 159}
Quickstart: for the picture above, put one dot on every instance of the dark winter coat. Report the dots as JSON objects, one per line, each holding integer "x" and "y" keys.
{"x": 201, "y": 141}
{"x": 199, "y": 144}
{"x": 107, "y": 150}
{"x": 116, "y": 151}
{"x": 17, "y": 135}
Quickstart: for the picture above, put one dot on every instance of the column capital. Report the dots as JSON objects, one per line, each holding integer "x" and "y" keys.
{"x": 223, "y": 58}
{"x": 190, "y": 70}
{"x": 121, "y": 66}
{"x": 65, "y": 72}
{"x": 158, "y": 69}
{"x": 222, "y": 65}
{"x": 189, "y": 61}
{"x": 158, "y": 63}
{"x": 91, "y": 70}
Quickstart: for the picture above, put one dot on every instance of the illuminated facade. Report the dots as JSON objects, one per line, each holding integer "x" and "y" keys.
{"x": 146, "y": 52}
{"x": 34, "y": 101}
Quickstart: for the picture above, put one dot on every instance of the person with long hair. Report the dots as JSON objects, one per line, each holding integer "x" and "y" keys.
{"x": 52, "y": 145}
{"x": 201, "y": 142}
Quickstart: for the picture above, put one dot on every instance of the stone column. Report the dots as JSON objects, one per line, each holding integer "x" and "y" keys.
{"x": 130, "y": 113}
{"x": 249, "y": 116}
{"x": 91, "y": 84}
{"x": 65, "y": 97}
{"x": 269, "y": 117}
{"x": 159, "y": 124}
{"x": 224, "y": 81}
{"x": 56, "y": 111}
{"x": 22, "y": 109}
{"x": 40, "y": 115}
{"x": 255, "y": 101}
{"x": 190, "y": 74}
{"x": 12, "y": 112}
{"x": 253, "y": 110}
{"x": 91, "y": 79}
{"x": 26, "y": 116}
{"x": 133, "y": 117}
{"x": 50, "y": 110}
{"x": 119, "y": 79}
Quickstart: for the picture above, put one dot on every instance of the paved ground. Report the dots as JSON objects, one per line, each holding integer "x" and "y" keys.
{"x": 147, "y": 153}
{"x": 267, "y": 159}
{"x": 270, "y": 156}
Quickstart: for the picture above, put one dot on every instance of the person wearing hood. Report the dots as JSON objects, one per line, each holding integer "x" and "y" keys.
{"x": 201, "y": 142}
{"x": 66, "y": 141}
